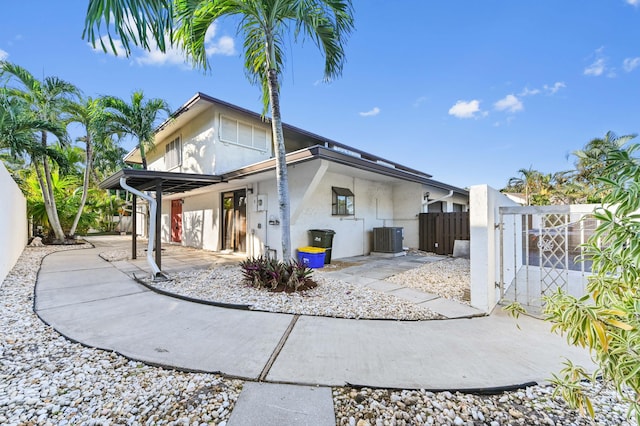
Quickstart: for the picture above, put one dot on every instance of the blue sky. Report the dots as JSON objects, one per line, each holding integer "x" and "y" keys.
{"x": 468, "y": 91}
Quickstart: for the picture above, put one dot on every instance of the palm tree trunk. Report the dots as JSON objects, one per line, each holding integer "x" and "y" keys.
{"x": 48, "y": 196}
{"x": 48, "y": 205}
{"x": 281, "y": 164}
{"x": 143, "y": 155}
{"x": 85, "y": 188}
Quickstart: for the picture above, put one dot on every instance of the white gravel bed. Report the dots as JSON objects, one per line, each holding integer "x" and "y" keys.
{"x": 47, "y": 380}
{"x": 331, "y": 298}
{"x": 449, "y": 278}
{"x": 534, "y": 405}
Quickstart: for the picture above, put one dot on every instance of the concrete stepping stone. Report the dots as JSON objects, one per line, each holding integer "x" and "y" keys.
{"x": 450, "y": 308}
{"x": 271, "y": 404}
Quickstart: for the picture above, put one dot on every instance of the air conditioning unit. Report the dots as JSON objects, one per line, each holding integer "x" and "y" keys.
{"x": 387, "y": 240}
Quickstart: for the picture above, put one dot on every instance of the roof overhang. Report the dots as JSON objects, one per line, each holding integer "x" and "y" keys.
{"x": 170, "y": 182}
{"x": 364, "y": 164}
{"x": 146, "y": 180}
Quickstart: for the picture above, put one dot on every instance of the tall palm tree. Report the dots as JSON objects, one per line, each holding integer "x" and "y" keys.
{"x": 47, "y": 100}
{"x": 96, "y": 122}
{"x": 264, "y": 25}
{"x": 137, "y": 118}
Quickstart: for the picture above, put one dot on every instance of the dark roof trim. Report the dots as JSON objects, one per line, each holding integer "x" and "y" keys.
{"x": 146, "y": 180}
{"x": 321, "y": 152}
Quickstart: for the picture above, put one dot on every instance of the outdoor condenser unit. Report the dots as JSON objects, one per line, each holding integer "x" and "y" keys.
{"x": 387, "y": 240}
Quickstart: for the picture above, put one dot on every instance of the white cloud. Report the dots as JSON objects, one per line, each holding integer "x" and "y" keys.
{"x": 599, "y": 65}
{"x": 3, "y": 55}
{"x": 371, "y": 113}
{"x": 629, "y": 64}
{"x": 225, "y": 45}
{"x": 552, "y": 90}
{"x": 465, "y": 109}
{"x": 633, "y": 2}
{"x": 117, "y": 44}
{"x": 173, "y": 55}
{"x": 509, "y": 103}
{"x": 596, "y": 68}
{"x": 529, "y": 92}
{"x": 154, "y": 56}
{"x": 419, "y": 101}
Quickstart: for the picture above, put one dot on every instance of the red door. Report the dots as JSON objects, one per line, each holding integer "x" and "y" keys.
{"x": 176, "y": 221}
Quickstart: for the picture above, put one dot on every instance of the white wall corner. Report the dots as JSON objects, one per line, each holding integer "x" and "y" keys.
{"x": 481, "y": 281}
{"x": 14, "y": 233}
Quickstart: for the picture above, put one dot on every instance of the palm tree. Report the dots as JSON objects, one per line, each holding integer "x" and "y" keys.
{"x": 96, "y": 122}
{"x": 47, "y": 100}
{"x": 264, "y": 25}
{"x": 526, "y": 182}
{"x": 137, "y": 118}
{"x": 592, "y": 160}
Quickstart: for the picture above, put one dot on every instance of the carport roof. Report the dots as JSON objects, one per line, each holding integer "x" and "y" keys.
{"x": 146, "y": 180}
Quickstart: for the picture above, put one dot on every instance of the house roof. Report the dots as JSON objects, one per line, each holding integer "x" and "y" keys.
{"x": 319, "y": 148}
{"x": 181, "y": 182}
{"x": 200, "y": 101}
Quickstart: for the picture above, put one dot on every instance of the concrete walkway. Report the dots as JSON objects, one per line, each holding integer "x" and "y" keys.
{"x": 371, "y": 271}
{"x": 91, "y": 301}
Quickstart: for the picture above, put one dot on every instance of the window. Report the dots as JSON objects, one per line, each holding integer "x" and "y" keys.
{"x": 173, "y": 154}
{"x": 237, "y": 132}
{"x": 342, "y": 202}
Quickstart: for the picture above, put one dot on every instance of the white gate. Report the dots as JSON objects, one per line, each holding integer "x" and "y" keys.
{"x": 540, "y": 251}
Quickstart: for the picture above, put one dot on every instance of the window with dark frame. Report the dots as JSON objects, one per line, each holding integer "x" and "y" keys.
{"x": 342, "y": 202}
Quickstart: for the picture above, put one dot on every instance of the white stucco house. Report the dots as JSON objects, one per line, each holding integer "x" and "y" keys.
{"x": 213, "y": 167}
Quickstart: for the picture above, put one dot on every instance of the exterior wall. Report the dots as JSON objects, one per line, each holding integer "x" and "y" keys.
{"x": 202, "y": 147}
{"x": 441, "y": 195}
{"x": 352, "y": 233}
{"x": 201, "y": 221}
{"x": 14, "y": 233}
{"x": 485, "y": 245}
{"x": 377, "y": 204}
{"x": 407, "y": 202}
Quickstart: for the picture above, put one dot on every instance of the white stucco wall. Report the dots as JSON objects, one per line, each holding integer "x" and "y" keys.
{"x": 200, "y": 221}
{"x": 352, "y": 233}
{"x": 407, "y": 204}
{"x": 203, "y": 151}
{"x": 13, "y": 216}
{"x": 485, "y": 245}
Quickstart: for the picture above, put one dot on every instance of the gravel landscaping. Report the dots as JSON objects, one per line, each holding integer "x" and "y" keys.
{"x": 46, "y": 379}
{"x": 449, "y": 278}
{"x": 331, "y": 298}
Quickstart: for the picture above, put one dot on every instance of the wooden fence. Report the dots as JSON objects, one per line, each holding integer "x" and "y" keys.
{"x": 438, "y": 231}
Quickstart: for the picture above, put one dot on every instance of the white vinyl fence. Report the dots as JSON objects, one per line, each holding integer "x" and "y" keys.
{"x": 522, "y": 253}
{"x": 13, "y": 223}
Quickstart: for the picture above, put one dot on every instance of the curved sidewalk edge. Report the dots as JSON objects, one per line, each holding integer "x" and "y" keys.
{"x": 90, "y": 301}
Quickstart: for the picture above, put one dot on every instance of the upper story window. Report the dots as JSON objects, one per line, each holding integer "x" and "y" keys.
{"x": 173, "y": 154}
{"x": 240, "y": 133}
{"x": 342, "y": 202}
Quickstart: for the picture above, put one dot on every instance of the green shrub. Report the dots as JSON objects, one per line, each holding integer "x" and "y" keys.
{"x": 607, "y": 319}
{"x": 274, "y": 275}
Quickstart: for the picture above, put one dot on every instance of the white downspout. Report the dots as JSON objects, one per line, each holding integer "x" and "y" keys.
{"x": 450, "y": 194}
{"x": 155, "y": 271}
